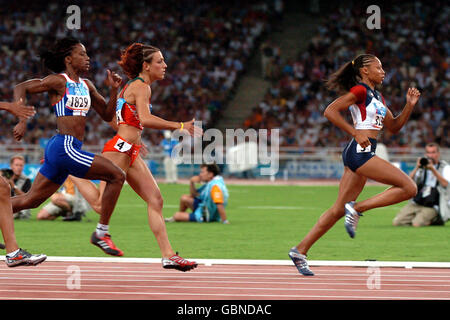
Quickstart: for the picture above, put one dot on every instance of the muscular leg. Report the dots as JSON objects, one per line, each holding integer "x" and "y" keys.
{"x": 41, "y": 189}
{"x": 141, "y": 180}
{"x": 90, "y": 192}
{"x": 6, "y": 217}
{"x": 403, "y": 187}
{"x": 105, "y": 170}
{"x": 350, "y": 187}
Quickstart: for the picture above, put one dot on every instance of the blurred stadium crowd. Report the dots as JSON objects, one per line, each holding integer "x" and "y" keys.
{"x": 413, "y": 46}
{"x": 206, "y": 46}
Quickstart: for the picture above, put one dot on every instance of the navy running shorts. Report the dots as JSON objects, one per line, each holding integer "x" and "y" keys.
{"x": 63, "y": 156}
{"x": 354, "y": 156}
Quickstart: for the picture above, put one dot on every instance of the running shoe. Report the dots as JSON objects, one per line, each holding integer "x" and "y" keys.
{"x": 178, "y": 263}
{"x": 300, "y": 262}
{"x": 106, "y": 244}
{"x": 24, "y": 257}
{"x": 351, "y": 218}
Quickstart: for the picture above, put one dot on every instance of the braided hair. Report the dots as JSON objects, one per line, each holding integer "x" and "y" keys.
{"x": 348, "y": 75}
{"x": 134, "y": 56}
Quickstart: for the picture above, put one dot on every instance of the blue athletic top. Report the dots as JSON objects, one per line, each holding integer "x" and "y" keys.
{"x": 76, "y": 100}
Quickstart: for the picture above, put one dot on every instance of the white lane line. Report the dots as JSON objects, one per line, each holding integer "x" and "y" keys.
{"x": 236, "y": 288}
{"x": 225, "y": 268}
{"x": 303, "y": 283}
{"x": 183, "y": 295}
{"x": 410, "y": 282}
{"x": 198, "y": 273}
{"x": 328, "y": 263}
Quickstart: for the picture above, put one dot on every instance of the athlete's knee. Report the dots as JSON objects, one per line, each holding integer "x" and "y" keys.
{"x": 337, "y": 211}
{"x": 156, "y": 202}
{"x": 410, "y": 190}
{"x": 118, "y": 176}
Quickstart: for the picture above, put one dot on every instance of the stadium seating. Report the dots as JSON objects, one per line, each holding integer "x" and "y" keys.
{"x": 206, "y": 47}
{"x": 413, "y": 46}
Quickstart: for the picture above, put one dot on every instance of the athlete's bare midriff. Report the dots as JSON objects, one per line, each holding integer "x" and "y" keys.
{"x": 370, "y": 133}
{"x": 130, "y": 133}
{"x": 72, "y": 125}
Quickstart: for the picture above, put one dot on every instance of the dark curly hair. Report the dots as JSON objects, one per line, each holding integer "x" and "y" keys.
{"x": 53, "y": 58}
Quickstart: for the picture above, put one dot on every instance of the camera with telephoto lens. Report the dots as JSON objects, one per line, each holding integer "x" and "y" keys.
{"x": 7, "y": 173}
{"x": 423, "y": 162}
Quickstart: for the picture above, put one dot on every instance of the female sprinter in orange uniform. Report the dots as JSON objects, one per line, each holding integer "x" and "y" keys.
{"x": 143, "y": 64}
{"x": 71, "y": 97}
{"x": 15, "y": 256}
{"x": 356, "y": 81}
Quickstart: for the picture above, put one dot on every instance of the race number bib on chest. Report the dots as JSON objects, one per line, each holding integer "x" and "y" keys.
{"x": 78, "y": 98}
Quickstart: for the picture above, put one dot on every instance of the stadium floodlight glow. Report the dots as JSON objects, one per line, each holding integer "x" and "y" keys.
{"x": 244, "y": 149}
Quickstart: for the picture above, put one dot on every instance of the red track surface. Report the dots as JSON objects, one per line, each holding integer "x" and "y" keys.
{"x": 137, "y": 281}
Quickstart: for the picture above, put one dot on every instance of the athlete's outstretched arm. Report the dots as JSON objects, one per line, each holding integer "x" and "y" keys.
{"x": 18, "y": 109}
{"x": 105, "y": 110}
{"x": 333, "y": 113}
{"x": 395, "y": 124}
{"x": 53, "y": 83}
{"x": 142, "y": 93}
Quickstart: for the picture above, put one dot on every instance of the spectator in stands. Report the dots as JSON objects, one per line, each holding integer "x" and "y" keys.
{"x": 431, "y": 205}
{"x": 206, "y": 45}
{"x": 408, "y": 57}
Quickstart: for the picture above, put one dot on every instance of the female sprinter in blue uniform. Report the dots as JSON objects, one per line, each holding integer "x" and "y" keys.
{"x": 356, "y": 81}
{"x": 71, "y": 97}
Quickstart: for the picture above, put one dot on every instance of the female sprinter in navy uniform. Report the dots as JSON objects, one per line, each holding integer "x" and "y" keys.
{"x": 356, "y": 81}
{"x": 71, "y": 97}
{"x": 143, "y": 64}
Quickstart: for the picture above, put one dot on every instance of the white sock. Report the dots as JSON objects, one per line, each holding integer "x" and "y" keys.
{"x": 12, "y": 254}
{"x": 101, "y": 230}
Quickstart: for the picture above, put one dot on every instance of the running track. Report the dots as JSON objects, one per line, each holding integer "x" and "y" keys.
{"x": 148, "y": 281}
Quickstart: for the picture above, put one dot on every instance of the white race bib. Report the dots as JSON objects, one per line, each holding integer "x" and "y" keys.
{"x": 122, "y": 145}
{"x": 360, "y": 149}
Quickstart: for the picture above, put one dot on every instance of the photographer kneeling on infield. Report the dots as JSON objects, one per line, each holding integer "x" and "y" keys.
{"x": 431, "y": 205}
{"x": 207, "y": 202}
{"x": 19, "y": 182}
